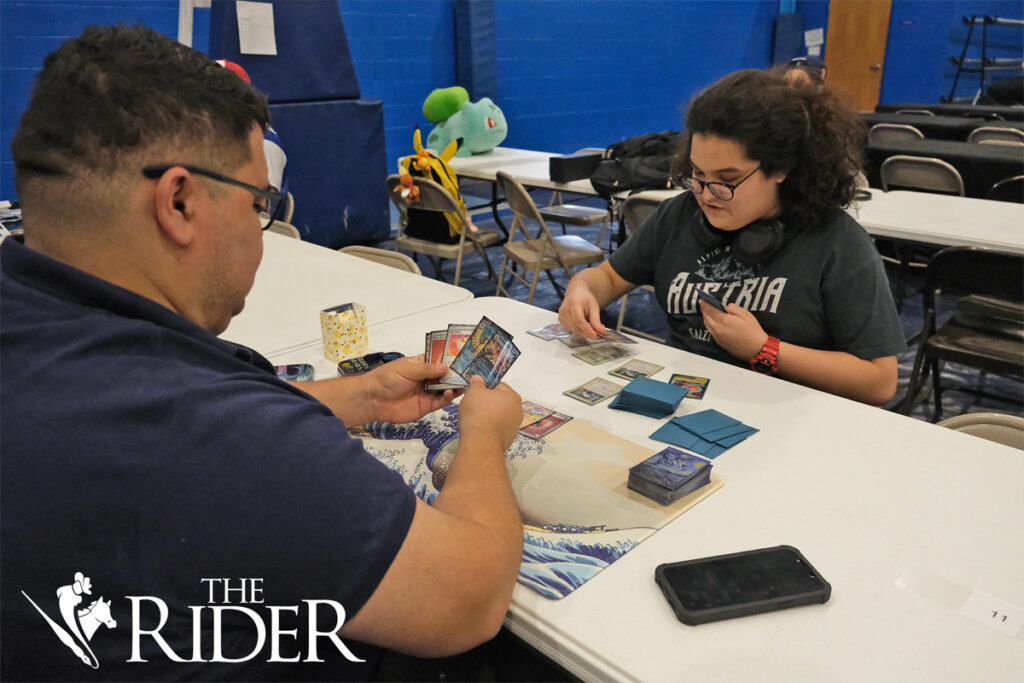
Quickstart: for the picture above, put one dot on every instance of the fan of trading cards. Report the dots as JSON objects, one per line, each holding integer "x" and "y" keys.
{"x": 483, "y": 349}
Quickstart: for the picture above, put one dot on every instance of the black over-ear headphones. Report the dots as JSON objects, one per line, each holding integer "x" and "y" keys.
{"x": 754, "y": 245}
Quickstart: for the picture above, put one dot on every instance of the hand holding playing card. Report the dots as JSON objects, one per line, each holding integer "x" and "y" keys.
{"x": 580, "y": 312}
{"x": 394, "y": 391}
{"x": 490, "y": 413}
{"x": 736, "y": 330}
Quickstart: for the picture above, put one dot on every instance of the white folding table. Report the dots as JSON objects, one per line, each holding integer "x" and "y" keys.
{"x": 297, "y": 279}
{"x": 942, "y": 220}
{"x": 905, "y": 519}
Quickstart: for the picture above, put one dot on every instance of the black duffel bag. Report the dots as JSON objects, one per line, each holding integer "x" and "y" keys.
{"x": 643, "y": 162}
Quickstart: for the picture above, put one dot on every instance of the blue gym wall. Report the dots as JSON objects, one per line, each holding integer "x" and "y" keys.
{"x": 570, "y": 74}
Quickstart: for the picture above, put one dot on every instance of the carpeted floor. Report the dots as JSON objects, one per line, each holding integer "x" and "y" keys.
{"x": 642, "y": 313}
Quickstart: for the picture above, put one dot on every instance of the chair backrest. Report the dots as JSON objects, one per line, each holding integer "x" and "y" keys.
{"x": 1008, "y": 190}
{"x": 997, "y": 136}
{"x": 999, "y": 427}
{"x": 921, "y": 173}
{"x": 893, "y": 132}
{"x": 924, "y": 112}
{"x": 432, "y": 197}
{"x": 284, "y": 228}
{"x": 522, "y": 206}
{"x": 637, "y": 209}
{"x": 393, "y": 259}
{"x": 289, "y": 208}
{"x": 970, "y": 270}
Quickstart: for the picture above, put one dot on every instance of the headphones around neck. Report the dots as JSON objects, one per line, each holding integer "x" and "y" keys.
{"x": 754, "y": 245}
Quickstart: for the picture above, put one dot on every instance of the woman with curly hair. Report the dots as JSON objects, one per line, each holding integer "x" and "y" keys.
{"x": 769, "y": 166}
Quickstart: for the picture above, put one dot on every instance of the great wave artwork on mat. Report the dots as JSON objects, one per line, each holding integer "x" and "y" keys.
{"x": 578, "y": 515}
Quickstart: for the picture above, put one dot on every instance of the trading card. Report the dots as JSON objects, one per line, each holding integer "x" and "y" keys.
{"x": 636, "y": 368}
{"x": 549, "y": 332}
{"x": 533, "y": 412}
{"x": 455, "y": 338}
{"x": 342, "y": 311}
{"x": 695, "y": 386}
{"x": 616, "y": 336}
{"x": 485, "y": 332}
{"x": 575, "y": 341}
{"x": 595, "y": 355}
{"x": 711, "y": 299}
{"x": 457, "y": 335}
{"x": 492, "y": 362}
{"x": 544, "y": 426}
{"x": 594, "y": 391}
{"x": 434, "y": 348}
{"x": 297, "y": 372}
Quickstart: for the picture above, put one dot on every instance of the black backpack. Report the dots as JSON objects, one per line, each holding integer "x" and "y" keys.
{"x": 643, "y": 162}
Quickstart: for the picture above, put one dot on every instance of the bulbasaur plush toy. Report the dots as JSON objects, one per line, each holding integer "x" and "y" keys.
{"x": 480, "y": 124}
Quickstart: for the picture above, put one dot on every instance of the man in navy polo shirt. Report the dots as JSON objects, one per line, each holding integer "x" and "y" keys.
{"x": 169, "y": 507}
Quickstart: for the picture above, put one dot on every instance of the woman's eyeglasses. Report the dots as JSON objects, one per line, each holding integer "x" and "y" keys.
{"x": 723, "y": 191}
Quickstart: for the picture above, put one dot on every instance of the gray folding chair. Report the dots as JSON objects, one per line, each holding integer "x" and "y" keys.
{"x": 541, "y": 253}
{"x": 993, "y": 135}
{"x": 635, "y": 211}
{"x": 892, "y": 132}
{"x": 923, "y": 112}
{"x": 433, "y": 197}
{"x": 578, "y": 214}
{"x": 288, "y": 210}
{"x": 284, "y": 228}
{"x": 385, "y": 257}
{"x": 999, "y": 427}
{"x": 921, "y": 173}
{"x": 1008, "y": 190}
{"x": 915, "y": 173}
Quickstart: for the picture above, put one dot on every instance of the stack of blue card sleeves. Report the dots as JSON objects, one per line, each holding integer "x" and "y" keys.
{"x": 709, "y": 432}
{"x": 649, "y": 397}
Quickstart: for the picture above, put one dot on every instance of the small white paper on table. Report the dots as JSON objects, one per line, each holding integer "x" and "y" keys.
{"x": 816, "y": 36}
{"x": 998, "y": 614}
{"x": 256, "y": 28}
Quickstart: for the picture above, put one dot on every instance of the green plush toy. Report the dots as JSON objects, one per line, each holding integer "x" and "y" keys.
{"x": 481, "y": 124}
{"x": 443, "y": 102}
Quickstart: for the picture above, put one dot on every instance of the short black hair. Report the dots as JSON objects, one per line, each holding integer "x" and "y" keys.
{"x": 802, "y": 130}
{"x": 117, "y": 90}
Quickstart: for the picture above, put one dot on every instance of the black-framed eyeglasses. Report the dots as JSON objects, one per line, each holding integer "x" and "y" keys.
{"x": 723, "y": 191}
{"x": 272, "y": 201}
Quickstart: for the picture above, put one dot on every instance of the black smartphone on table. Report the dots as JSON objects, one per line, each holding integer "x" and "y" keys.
{"x": 363, "y": 364}
{"x": 740, "y": 584}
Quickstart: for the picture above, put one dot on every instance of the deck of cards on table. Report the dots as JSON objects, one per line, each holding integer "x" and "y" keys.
{"x": 668, "y": 475}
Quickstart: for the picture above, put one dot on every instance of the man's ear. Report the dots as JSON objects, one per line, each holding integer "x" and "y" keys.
{"x": 176, "y": 203}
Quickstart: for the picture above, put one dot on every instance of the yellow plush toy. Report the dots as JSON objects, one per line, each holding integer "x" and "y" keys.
{"x": 427, "y": 164}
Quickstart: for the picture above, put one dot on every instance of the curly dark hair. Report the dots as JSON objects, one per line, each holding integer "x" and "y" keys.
{"x": 117, "y": 90}
{"x": 802, "y": 130}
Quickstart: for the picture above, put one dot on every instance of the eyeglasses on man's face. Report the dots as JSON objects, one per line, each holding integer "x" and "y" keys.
{"x": 268, "y": 203}
{"x": 723, "y": 191}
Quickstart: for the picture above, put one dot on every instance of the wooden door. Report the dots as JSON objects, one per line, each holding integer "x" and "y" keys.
{"x": 855, "y": 49}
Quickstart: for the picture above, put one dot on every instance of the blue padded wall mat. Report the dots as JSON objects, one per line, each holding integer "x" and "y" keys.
{"x": 336, "y": 169}
{"x": 312, "y": 61}
{"x": 788, "y": 41}
{"x": 476, "y": 58}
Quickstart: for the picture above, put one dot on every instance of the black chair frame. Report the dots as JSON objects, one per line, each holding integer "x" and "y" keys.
{"x": 975, "y": 343}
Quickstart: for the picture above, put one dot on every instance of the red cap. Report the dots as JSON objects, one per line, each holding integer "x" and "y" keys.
{"x": 237, "y": 68}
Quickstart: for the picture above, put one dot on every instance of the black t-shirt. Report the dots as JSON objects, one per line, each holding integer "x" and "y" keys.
{"x": 826, "y": 289}
{"x": 157, "y": 460}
